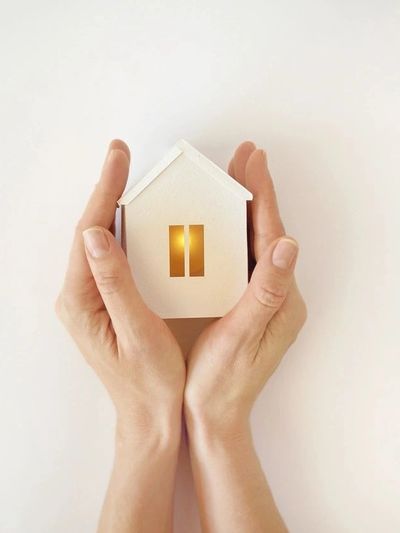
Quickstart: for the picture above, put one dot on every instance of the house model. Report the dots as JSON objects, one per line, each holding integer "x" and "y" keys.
{"x": 184, "y": 230}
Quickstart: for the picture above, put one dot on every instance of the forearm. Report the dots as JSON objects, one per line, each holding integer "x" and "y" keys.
{"x": 140, "y": 493}
{"x": 232, "y": 490}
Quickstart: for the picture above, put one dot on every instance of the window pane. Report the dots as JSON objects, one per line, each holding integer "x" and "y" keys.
{"x": 176, "y": 251}
{"x": 196, "y": 250}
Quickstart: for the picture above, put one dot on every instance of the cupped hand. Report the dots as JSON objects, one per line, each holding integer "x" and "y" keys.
{"x": 130, "y": 348}
{"x": 233, "y": 357}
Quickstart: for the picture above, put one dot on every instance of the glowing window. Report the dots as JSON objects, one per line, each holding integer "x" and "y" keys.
{"x": 176, "y": 251}
{"x": 196, "y": 250}
{"x": 177, "y": 248}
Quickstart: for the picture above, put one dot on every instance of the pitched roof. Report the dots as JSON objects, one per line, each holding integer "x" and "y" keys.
{"x": 183, "y": 147}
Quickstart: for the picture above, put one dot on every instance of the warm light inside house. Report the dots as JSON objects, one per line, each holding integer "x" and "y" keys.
{"x": 196, "y": 250}
{"x": 176, "y": 251}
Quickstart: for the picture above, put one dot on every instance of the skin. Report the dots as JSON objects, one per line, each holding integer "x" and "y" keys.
{"x": 141, "y": 364}
{"x": 135, "y": 356}
{"x": 230, "y": 363}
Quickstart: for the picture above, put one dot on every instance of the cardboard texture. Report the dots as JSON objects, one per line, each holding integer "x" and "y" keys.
{"x": 184, "y": 231}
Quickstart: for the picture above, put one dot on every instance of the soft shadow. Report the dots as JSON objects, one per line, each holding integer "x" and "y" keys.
{"x": 186, "y": 330}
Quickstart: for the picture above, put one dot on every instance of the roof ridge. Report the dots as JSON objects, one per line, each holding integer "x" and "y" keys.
{"x": 179, "y": 148}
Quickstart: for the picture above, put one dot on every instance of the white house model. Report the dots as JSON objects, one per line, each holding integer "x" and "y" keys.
{"x": 184, "y": 230}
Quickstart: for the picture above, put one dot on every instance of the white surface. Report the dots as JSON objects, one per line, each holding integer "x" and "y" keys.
{"x": 190, "y": 190}
{"x": 145, "y": 181}
{"x": 315, "y": 83}
{"x": 196, "y": 157}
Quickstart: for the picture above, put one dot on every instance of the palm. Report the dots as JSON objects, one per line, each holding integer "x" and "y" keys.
{"x": 80, "y": 288}
{"x": 264, "y": 223}
{"x": 257, "y": 355}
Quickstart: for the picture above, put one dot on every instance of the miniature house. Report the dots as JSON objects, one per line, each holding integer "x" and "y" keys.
{"x": 184, "y": 231}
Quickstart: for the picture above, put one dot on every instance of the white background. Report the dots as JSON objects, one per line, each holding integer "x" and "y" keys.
{"x": 317, "y": 84}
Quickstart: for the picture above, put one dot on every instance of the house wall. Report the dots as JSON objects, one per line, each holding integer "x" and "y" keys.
{"x": 184, "y": 194}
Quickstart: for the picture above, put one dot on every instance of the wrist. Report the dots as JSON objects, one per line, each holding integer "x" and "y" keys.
{"x": 155, "y": 431}
{"x": 210, "y": 428}
{"x": 211, "y": 445}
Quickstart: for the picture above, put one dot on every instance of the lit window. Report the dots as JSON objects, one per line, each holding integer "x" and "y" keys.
{"x": 177, "y": 247}
{"x": 196, "y": 250}
{"x": 176, "y": 251}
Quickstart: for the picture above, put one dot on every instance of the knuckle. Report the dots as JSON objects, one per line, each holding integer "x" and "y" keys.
{"x": 108, "y": 282}
{"x": 291, "y": 320}
{"x": 302, "y": 313}
{"x": 67, "y": 308}
{"x": 271, "y": 293}
{"x": 74, "y": 317}
{"x": 63, "y": 307}
{"x": 80, "y": 226}
{"x": 58, "y": 306}
{"x": 298, "y": 316}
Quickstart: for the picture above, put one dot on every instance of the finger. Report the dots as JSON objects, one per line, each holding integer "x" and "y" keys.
{"x": 112, "y": 228}
{"x": 267, "y": 290}
{"x": 100, "y": 210}
{"x": 266, "y": 221}
{"x": 284, "y": 327}
{"x": 114, "y": 175}
{"x": 114, "y": 281}
{"x": 231, "y": 169}
{"x": 240, "y": 158}
{"x": 238, "y": 168}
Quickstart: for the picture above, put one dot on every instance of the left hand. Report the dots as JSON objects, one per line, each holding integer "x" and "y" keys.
{"x": 234, "y": 357}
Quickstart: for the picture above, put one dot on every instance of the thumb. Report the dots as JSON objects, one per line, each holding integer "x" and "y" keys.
{"x": 268, "y": 286}
{"x": 114, "y": 280}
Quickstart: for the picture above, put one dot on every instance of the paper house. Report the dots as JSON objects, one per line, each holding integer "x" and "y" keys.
{"x": 184, "y": 230}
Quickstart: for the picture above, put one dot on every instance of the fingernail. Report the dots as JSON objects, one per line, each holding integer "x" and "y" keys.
{"x": 111, "y": 155}
{"x": 96, "y": 242}
{"x": 284, "y": 253}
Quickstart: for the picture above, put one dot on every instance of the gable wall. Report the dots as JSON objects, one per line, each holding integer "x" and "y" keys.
{"x": 184, "y": 194}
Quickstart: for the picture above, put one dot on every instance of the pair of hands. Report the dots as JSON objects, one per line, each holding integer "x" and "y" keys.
{"x": 134, "y": 352}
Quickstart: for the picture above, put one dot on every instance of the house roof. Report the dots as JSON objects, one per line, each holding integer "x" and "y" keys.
{"x": 183, "y": 147}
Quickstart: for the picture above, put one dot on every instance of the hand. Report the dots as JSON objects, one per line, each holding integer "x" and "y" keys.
{"x": 134, "y": 354}
{"x": 233, "y": 357}
{"x": 231, "y": 361}
{"x": 130, "y": 348}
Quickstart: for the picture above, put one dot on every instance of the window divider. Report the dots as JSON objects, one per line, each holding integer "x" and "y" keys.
{"x": 187, "y": 248}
